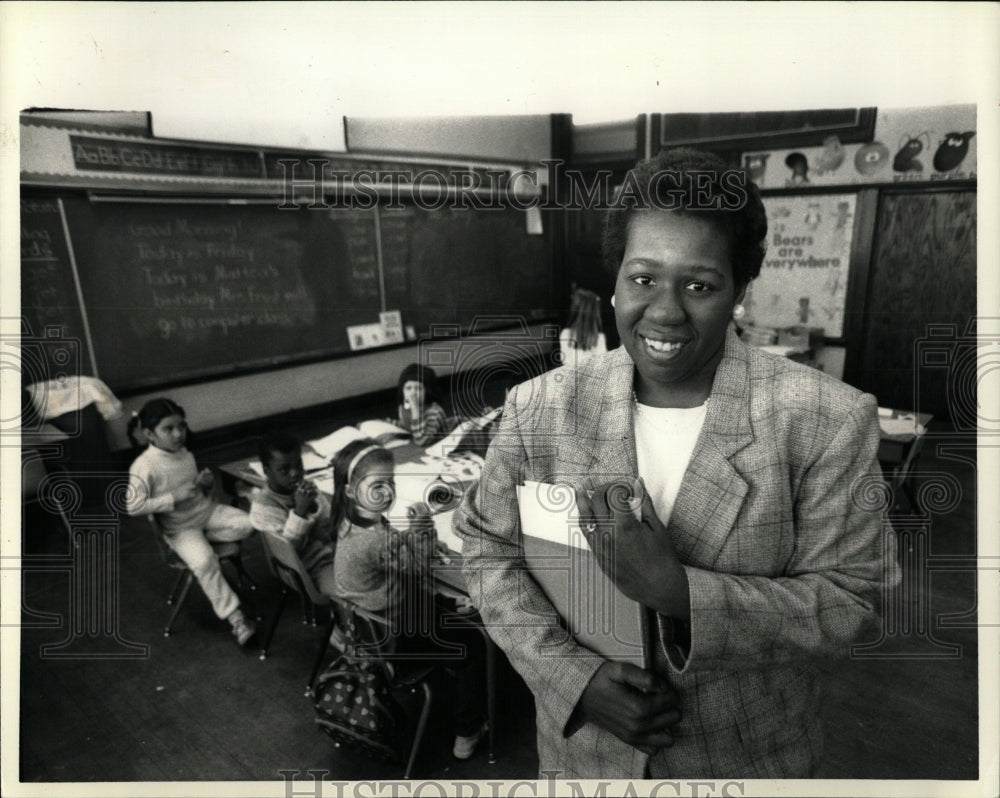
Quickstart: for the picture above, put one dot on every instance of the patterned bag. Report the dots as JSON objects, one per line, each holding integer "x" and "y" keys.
{"x": 355, "y": 706}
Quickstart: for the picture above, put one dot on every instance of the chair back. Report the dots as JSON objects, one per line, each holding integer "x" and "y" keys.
{"x": 32, "y": 473}
{"x": 36, "y": 493}
{"x": 286, "y": 564}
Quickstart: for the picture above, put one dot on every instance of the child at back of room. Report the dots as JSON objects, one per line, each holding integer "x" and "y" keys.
{"x": 165, "y": 482}
{"x": 418, "y": 410}
{"x": 583, "y": 337}
{"x": 383, "y": 569}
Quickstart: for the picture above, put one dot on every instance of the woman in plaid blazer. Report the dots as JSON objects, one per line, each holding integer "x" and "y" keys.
{"x": 762, "y": 545}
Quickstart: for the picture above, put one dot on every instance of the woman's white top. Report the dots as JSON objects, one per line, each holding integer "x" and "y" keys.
{"x": 664, "y": 442}
{"x": 570, "y": 353}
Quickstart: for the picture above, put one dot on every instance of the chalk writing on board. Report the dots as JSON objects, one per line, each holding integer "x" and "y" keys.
{"x": 179, "y": 291}
{"x": 48, "y": 297}
{"x": 202, "y": 279}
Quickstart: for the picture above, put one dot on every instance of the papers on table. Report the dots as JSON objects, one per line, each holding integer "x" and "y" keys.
{"x": 385, "y": 433}
{"x": 328, "y": 446}
{"x": 313, "y": 462}
{"x": 903, "y": 425}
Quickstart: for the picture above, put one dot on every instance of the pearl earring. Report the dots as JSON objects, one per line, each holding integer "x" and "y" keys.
{"x": 739, "y": 311}
{"x": 612, "y": 300}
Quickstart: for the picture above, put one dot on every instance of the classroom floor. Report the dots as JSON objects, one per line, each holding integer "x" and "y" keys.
{"x": 196, "y": 707}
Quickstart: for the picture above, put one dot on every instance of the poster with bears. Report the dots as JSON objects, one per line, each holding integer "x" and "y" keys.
{"x": 803, "y": 280}
{"x": 908, "y": 145}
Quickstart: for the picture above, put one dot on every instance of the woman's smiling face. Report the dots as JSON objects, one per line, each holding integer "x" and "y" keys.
{"x": 674, "y": 299}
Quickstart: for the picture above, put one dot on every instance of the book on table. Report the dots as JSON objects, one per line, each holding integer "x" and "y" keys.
{"x": 560, "y": 560}
{"x": 383, "y": 432}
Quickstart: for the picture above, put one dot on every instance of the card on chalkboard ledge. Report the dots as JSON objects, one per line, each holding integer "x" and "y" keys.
{"x": 392, "y": 326}
{"x": 365, "y": 336}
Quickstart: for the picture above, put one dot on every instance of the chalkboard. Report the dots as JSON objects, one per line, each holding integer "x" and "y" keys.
{"x": 50, "y": 308}
{"x": 181, "y": 290}
{"x": 455, "y": 266}
{"x": 185, "y": 290}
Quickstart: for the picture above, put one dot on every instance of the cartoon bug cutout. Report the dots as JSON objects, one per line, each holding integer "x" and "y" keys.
{"x": 756, "y": 165}
{"x": 906, "y": 158}
{"x": 952, "y": 150}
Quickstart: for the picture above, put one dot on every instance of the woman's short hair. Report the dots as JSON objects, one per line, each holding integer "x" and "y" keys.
{"x": 692, "y": 182}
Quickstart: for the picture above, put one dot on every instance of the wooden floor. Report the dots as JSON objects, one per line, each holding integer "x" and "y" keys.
{"x": 196, "y": 707}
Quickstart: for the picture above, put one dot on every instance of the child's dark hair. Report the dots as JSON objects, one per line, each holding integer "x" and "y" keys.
{"x": 585, "y": 318}
{"x": 425, "y": 375}
{"x": 151, "y": 414}
{"x": 343, "y": 472}
{"x": 277, "y": 442}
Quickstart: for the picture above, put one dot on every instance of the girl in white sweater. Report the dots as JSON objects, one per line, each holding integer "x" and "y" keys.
{"x": 164, "y": 481}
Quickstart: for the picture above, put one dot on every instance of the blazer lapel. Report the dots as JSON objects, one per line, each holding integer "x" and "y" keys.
{"x": 598, "y": 437}
{"x": 712, "y": 491}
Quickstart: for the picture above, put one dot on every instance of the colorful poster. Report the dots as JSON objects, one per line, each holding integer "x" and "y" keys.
{"x": 803, "y": 280}
{"x": 908, "y": 145}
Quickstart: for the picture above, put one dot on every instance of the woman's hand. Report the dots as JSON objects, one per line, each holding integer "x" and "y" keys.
{"x": 305, "y": 499}
{"x": 636, "y": 706}
{"x": 633, "y": 547}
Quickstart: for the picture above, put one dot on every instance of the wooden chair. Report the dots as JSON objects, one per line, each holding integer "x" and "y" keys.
{"x": 228, "y": 552}
{"x": 369, "y": 633}
{"x": 285, "y": 563}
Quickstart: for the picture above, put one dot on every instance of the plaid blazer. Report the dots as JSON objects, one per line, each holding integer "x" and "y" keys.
{"x": 778, "y": 525}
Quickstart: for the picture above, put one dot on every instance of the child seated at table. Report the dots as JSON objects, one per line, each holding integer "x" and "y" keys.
{"x": 165, "y": 482}
{"x": 418, "y": 410}
{"x": 382, "y": 568}
{"x": 291, "y": 506}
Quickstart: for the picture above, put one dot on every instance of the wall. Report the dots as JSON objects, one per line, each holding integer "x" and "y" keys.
{"x": 223, "y": 402}
{"x": 523, "y": 139}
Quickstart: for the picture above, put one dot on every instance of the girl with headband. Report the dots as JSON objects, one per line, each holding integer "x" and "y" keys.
{"x": 384, "y": 569}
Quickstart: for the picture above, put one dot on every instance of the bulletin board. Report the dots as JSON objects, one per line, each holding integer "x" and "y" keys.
{"x": 803, "y": 280}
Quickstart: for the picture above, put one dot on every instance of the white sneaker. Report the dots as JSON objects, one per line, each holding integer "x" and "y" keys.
{"x": 243, "y": 629}
{"x": 465, "y": 747}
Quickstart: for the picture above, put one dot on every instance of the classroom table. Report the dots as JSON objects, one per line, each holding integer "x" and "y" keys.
{"x": 449, "y": 581}
{"x": 901, "y": 437}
